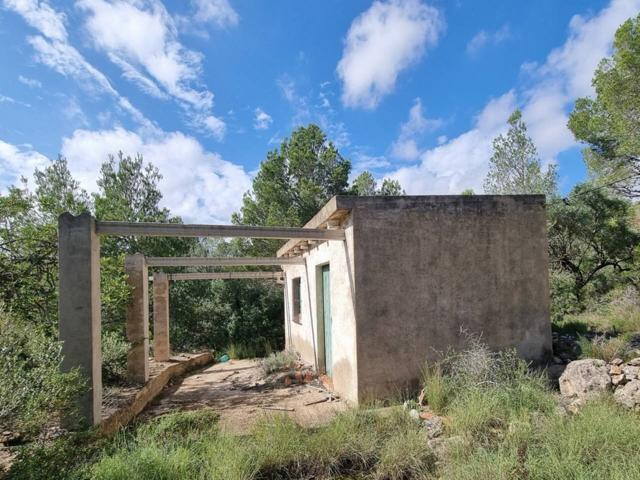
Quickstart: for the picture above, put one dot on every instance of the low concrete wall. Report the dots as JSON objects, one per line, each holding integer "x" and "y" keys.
{"x": 150, "y": 391}
{"x": 427, "y": 266}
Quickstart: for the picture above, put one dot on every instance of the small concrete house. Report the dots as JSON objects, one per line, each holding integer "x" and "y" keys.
{"x": 412, "y": 272}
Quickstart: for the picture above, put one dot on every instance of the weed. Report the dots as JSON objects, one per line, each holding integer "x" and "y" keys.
{"x": 279, "y": 361}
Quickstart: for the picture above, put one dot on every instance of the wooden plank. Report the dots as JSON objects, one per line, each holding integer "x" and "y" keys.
{"x": 225, "y": 275}
{"x": 219, "y": 261}
{"x": 244, "y": 231}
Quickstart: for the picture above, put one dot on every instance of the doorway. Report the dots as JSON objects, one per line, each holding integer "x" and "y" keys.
{"x": 326, "y": 318}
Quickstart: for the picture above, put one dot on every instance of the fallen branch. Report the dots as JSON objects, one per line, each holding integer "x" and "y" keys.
{"x": 322, "y": 400}
{"x": 283, "y": 409}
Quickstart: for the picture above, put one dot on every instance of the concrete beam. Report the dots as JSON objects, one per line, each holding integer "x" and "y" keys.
{"x": 161, "y": 349}
{"x": 244, "y": 231}
{"x": 225, "y": 275}
{"x": 219, "y": 261}
{"x": 79, "y": 309}
{"x": 138, "y": 318}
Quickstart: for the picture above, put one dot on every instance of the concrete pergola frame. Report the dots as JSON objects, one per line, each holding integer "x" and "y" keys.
{"x": 79, "y": 290}
{"x": 161, "y": 344}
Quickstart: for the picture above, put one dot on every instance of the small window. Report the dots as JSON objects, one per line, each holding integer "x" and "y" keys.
{"x": 295, "y": 285}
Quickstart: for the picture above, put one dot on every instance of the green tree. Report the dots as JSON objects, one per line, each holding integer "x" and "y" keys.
{"x": 366, "y": 185}
{"x": 129, "y": 191}
{"x": 293, "y": 183}
{"x": 590, "y": 234}
{"x": 514, "y": 167}
{"x": 610, "y": 123}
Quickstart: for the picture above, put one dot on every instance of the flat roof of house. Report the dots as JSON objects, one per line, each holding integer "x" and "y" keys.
{"x": 339, "y": 207}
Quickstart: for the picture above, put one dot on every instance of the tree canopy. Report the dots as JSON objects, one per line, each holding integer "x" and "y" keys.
{"x": 610, "y": 122}
{"x": 590, "y": 232}
{"x": 514, "y": 167}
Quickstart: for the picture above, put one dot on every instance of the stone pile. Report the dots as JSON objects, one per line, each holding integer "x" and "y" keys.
{"x": 589, "y": 378}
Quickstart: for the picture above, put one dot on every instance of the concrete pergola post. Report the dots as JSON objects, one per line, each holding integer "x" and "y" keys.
{"x": 161, "y": 350}
{"x": 79, "y": 308}
{"x": 138, "y": 318}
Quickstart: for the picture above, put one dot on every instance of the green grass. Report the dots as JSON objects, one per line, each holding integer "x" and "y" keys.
{"x": 605, "y": 348}
{"x": 502, "y": 421}
{"x": 189, "y": 445}
{"x": 617, "y": 313}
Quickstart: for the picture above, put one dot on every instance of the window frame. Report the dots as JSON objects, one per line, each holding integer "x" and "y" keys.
{"x": 296, "y": 297}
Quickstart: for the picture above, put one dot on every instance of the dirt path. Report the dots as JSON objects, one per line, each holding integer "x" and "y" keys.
{"x": 238, "y": 392}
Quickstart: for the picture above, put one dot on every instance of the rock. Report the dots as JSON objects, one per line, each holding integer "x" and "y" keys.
{"x": 434, "y": 426}
{"x": 297, "y": 376}
{"x": 631, "y": 371}
{"x": 618, "y": 380}
{"x": 287, "y": 381}
{"x": 634, "y": 362}
{"x": 308, "y": 376}
{"x": 629, "y": 394}
{"x": 427, "y": 415}
{"x": 615, "y": 370}
{"x": 617, "y": 361}
{"x": 586, "y": 378}
{"x": 414, "y": 414}
{"x": 442, "y": 445}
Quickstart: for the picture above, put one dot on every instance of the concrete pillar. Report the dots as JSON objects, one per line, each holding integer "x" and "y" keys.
{"x": 138, "y": 318}
{"x": 79, "y": 309}
{"x": 161, "y": 316}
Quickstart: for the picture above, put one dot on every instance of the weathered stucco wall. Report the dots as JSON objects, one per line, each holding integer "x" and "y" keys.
{"x": 427, "y": 266}
{"x": 307, "y": 336}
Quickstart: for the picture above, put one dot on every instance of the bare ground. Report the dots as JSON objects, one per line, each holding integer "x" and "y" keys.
{"x": 240, "y": 393}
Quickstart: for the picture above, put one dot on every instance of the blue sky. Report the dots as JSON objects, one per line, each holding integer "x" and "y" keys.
{"x": 408, "y": 89}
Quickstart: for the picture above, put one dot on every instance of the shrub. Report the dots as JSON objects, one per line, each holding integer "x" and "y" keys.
{"x": 605, "y": 348}
{"x": 65, "y": 458}
{"x": 279, "y": 361}
{"x": 33, "y": 391}
{"x": 114, "y": 357}
{"x": 484, "y": 391}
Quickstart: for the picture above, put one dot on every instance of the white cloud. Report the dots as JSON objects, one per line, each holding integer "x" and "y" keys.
{"x": 6, "y": 99}
{"x": 53, "y": 50}
{"x": 305, "y": 110}
{"x": 381, "y": 42}
{"x": 219, "y": 12}
{"x": 406, "y": 146}
{"x": 367, "y": 162}
{"x": 41, "y": 16}
{"x": 18, "y": 161}
{"x": 197, "y": 184}
{"x": 262, "y": 120}
{"x": 484, "y": 38}
{"x": 214, "y": 126}
{"x": 142, "y": 39}
{"x": 30, "y": 82}
{"x": 462, "y": 162}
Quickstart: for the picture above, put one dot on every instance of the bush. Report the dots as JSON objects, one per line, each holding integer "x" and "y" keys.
{"x": 279, "y": 361}
{"x": 114, "y": 357}
{"x": 65, "y": 458}
{"x": 33, "y": 391}
{"x": 605, "y": 348}
{"x": 617, "y": 312}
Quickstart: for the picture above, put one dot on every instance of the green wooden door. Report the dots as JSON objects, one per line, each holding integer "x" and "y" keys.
{"x": 326, "y": 312}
